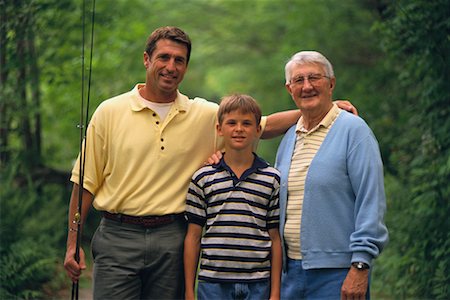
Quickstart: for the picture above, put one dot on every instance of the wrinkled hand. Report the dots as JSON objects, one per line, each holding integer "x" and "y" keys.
{"x": 346, "y": 105}
{"x": 355, "y": 285}
{"x": 214, "y": 159}
{"x": 74, "y": 269}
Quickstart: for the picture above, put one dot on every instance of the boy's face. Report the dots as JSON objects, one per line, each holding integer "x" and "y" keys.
{"x": 239, "y": 130}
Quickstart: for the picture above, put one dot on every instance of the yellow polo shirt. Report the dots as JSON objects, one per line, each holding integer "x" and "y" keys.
{"x": 138, "y": 165}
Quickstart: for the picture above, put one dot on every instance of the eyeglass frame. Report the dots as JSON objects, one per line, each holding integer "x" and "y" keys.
{"x": 313, "y": 79}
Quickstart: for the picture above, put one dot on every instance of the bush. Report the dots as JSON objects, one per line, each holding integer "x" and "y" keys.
{"x": 32, "y": 227}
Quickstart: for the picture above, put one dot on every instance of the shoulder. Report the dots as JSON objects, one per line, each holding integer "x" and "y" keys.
{"x": 115, "y": 102}
{"x": 204, "y": 172}
{"x": 354, "y": 130}
{"x": 264, "y": 168}
{"x": 112, "y": 108}
{"x": 273, "y": 173}
{"x": 353, "y": 124}
{"x": 197, "y": 103}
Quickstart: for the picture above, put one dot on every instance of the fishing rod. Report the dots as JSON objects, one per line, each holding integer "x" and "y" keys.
{"x": 83, "y": 130}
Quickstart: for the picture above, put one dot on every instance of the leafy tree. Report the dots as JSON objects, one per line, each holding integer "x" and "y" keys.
{"x": 31, "y": 214}
{"x": 416, "y": 38}
{"x": 390, "y": 58}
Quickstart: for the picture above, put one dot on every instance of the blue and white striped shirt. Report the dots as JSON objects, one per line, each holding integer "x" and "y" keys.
{"x": 236, "y": 214}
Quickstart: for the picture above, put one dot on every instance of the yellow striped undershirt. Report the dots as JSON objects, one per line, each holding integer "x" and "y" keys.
{"x": 306, "y": 146}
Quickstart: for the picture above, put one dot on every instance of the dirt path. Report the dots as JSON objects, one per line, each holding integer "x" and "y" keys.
{"x": 84, "y": 293}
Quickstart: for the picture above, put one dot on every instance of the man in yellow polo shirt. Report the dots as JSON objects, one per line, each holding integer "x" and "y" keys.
{"x": 142, "y": 148}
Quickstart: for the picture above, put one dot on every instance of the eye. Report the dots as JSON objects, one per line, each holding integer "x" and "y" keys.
{"x": 299, "y": 80}
{"x": 180, "y": 60}
{"x": 163, "y": 57}
{"x": 314, "y": 77}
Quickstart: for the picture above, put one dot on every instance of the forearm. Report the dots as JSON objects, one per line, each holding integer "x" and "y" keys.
{"x": 278, "y": 123}
{"x": 276, "y": 265}
{"x": 191, "y": 256}
{"x": 73, "y": 209}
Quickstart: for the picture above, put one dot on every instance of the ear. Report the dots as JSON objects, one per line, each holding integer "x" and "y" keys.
{"x": 219, "y": 129}
{"x": 332, "y": 83}
{"x": 146, "y": 59}
{"x": 288, "y": 88}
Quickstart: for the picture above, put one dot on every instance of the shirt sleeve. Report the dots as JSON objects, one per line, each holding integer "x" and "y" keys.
{"x": 273, "y": 212}
{"x": 195, "y": 204}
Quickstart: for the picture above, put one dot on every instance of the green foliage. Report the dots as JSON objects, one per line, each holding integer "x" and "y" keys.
{"x": 390, "y": 57}
{"x": 25, "y": 267}
{"x": 31, "y": 231}
{"x": 415, "y": 37}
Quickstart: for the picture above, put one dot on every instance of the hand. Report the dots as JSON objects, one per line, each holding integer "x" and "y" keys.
{"x": 346, "y": 105}
{"x": 74, "y": 269}
{"x": 214, "y": 159}
{"x": 275, "y": 297}
{"x": 355, "y": 284}
{"x": 189, "y": 295}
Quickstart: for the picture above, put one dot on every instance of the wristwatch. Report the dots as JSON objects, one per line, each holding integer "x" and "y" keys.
{"x": 360, "y": 266}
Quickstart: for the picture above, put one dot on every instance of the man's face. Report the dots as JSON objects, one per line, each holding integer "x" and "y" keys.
{"x": 310, "y": 95}
{"x": 165, "y": 68}
{"x": 239, "y": 130}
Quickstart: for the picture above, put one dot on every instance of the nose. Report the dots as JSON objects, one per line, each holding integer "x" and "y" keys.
{"x": 171, "y": 65}
{"x": 306, "y": 84}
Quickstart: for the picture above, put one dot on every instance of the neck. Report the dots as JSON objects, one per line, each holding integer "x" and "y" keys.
{"x": 239, "y": 161}
{"x": 312, "y": 118}
{"x": 157, "y": 97}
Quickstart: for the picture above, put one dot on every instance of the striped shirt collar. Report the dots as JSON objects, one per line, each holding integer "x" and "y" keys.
{"x": 326, "y": 122}
{"x": 258, "y": 163}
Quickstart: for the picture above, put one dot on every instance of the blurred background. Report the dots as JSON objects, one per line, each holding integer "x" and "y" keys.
{"x": 391, "y": 60}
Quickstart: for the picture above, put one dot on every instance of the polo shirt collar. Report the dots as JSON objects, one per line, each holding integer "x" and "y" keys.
{"x": 258, "y": 163}
{"x": 181, "y": 101}
{"x": 326, "y": 122}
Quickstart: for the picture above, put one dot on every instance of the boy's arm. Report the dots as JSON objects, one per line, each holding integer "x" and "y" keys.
{"x": 191, "y": 256}
{"x": 275, "y": 271}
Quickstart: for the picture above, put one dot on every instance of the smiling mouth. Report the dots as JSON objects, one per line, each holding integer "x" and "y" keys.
{"x": 309, "y": 96}
{"x": 168, "y": 77}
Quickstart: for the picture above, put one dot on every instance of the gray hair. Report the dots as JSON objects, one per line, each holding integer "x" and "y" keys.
{"x": 307, "y": 57}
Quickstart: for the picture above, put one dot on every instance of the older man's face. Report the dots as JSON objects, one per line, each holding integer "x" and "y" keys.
{"x": 309, "y": 88}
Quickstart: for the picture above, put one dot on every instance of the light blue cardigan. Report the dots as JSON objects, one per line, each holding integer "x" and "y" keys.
{"x": 344, "y": 201}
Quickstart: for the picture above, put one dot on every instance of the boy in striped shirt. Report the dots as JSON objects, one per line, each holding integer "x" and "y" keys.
{"x": 233, "y": 214}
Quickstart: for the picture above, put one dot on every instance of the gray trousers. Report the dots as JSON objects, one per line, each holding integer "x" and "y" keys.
{"x": 132, "y": 262}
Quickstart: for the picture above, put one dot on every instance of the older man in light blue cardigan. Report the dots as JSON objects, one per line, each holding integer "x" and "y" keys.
{"x": 343, "y": 205}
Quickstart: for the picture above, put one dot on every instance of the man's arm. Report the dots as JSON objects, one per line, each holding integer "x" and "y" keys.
{"x": 191, "y": 255}
{"x": 275, "y": 270}
{"x": 278, "y": 123}
{"x": 73, "y": 268}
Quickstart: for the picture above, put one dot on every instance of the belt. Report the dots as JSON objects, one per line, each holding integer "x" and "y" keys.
{"x": 145, "y": 221}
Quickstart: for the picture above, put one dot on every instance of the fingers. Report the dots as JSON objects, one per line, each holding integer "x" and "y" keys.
{"x": 214, "y": 159}
{"x": 349, "y": 295}
{"x": 350, "y": 107}
{"x": 353, "y": 110}
{"x": 74, "y": 269}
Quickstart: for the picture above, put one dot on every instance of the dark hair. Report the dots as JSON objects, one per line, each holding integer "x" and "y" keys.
{"x": 243, "y": 103}
{"x": 170, "y": 33}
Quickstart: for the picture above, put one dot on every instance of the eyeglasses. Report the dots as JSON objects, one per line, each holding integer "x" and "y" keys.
{"x": 313, "y": 79}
